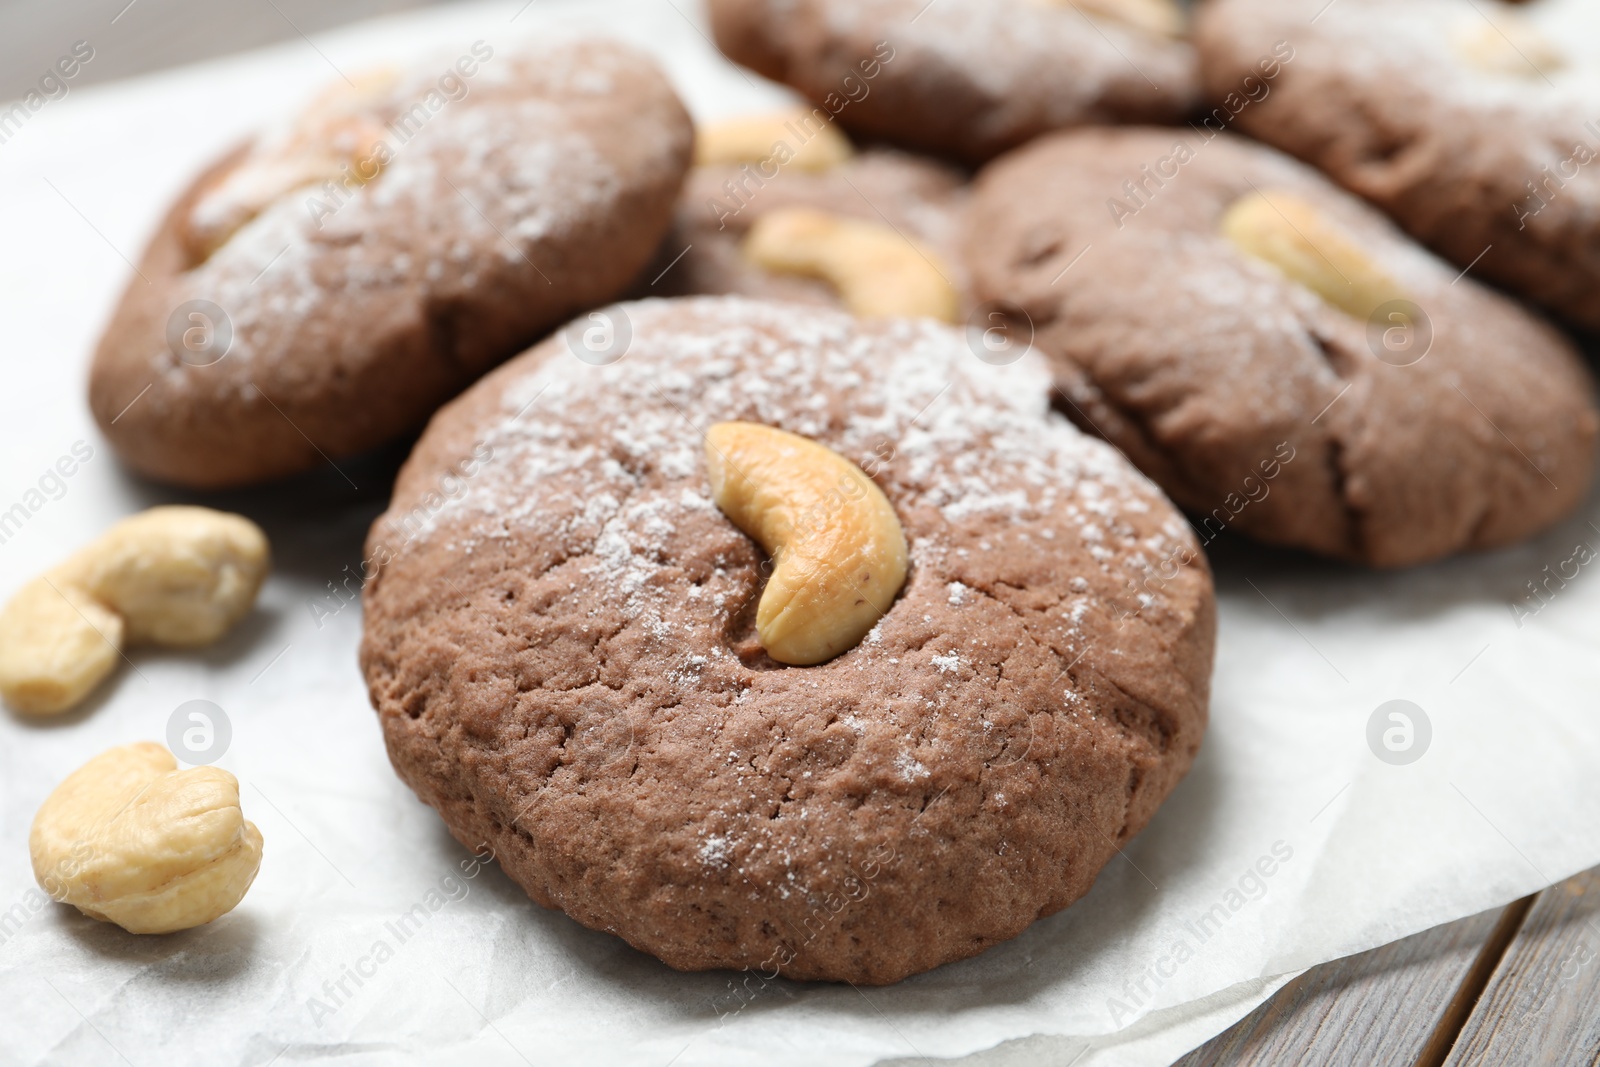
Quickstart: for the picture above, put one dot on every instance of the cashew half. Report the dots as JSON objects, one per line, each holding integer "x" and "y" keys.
{"x": 875, "y": 269}
{"x": 1293, "y": 235}
{"x": 130, "y": 839}
{"x": 1161, "y": 17}
{"x": 339, "y": 137}
{"x": 1510, "y": 45}
{"x": 175, "y": 576}
{"x": 837, "y": 545}
{"x": 796, "y": 139}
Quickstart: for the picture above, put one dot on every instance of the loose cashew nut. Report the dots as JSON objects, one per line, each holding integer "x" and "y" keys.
{"x": 1510, "y": 45}
{"x": 339, "y": 137}
{"x": 875, "y": 269}
{"x": 176, "y": 576}
{"x": 1294, "y": 236}
{"x": 130, "y": 839}
{"x": 837, "y": 546}
{"x": 796, "y": 139}
{"x": 1161, "y": 17}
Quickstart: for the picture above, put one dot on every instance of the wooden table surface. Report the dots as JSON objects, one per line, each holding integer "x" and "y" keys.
{"x": 134, "y": 36}
{"x": 1518, "y": 986}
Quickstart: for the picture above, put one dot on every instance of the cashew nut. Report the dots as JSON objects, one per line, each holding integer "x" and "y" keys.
{"x": 1509, "y": 45}
{"x": 339, "y": 137}
{"x": 130, "y": 839}
{"x": 876, "y": 270}
{"x": 796, "y": 139}
{"x": 1292, "y": 235}
{"x": 175, "y": 576}
{"x": 1161, "y": 17}
{"x": 838, "y": 551}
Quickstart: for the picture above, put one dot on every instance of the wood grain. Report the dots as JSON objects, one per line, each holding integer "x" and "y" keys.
{"x": 1543, "y": 1003}
{"x": 1379, "y": 1007}
{"x": 132, "y": 38}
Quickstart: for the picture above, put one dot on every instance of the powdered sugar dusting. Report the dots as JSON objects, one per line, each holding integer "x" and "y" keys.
{"x": 1012, "y": 50}
{"x": 493, "y": 175}
{"x": 965, "y": 439}
{"x": 716, "y": 851}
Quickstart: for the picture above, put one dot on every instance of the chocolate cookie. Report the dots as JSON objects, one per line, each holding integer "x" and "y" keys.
{"x": 913, "y": 201}
{"x": 968, "y": 78}
{"x": 559, "y": 643}
{"x": 323, "y": 289}
{"x": 1275, "y": 354}
{"x": 1475, "y": 125}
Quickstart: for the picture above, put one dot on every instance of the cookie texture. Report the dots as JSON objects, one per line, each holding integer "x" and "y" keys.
{"x": 967, "y": 78}
{"x": 344, "y": 313}
{"x": 919, "y": 198}
{"x": 560, "y": 645}
{"x": 1473, "y": 125}
{"x": 1256, "y": 403}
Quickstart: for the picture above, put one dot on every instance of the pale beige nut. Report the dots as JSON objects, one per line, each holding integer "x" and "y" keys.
{"x": 56, "y": 644}
{"x": 174, "y": 576}
{"x": 1509, "y": 45}
{"x": 876, "y": 270}
{"x": 1292, "y": 235}
{"x": 1160, "y": 17}
{"x": 839, "y": 554}
{"x": 340, "y": 137}
{"x": 130, "y": 839}
{"x": 805, "y": 139}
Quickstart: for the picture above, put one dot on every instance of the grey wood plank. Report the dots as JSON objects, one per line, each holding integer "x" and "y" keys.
{"x": 130, "y": 38}
{"x": 1543, "y": 1003}
{"x": 1379, "y": 1007}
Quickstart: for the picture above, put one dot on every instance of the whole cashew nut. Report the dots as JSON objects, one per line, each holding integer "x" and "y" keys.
{"x": 130, "y": 839}
{"x": 875, "y": 269}
{"x": 839, "y": 551}
{"x": 1161, "y": 17}
{"x": 796, "y": 139}
{"x": 1508, "y": 45}
{"x": 1294, "y": 236}
{"x": 339, "y": 137}
{"x": 174, "y": 576}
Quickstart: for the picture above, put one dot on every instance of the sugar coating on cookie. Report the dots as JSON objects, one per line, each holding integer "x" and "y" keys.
{"x": 1366, "y": 403}
{"x": 560, "y": 644}
{"x": 1474, "y": 125}
{"x": 324, "y": 288}
{"x": 966, "y": 78}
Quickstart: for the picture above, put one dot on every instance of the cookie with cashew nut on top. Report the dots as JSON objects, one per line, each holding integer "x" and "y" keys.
{"x": 1276, "y": 354}
{"x": 130, "y": 839}
{"x": 321, "y": 290}
{"x": 969, "y": 79}
{"x": 176, "y": 577}
{"x": 781, "y": 205}
{"x": 1472, "y": 124}
{"x": 789, "y": 640}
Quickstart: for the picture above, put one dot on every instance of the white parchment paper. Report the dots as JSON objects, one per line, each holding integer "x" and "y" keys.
{"x": 1290, "y": 843}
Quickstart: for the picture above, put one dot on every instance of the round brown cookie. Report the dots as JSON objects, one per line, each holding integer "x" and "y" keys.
{"x": 1391, "y": 434}
{"x": 324, "y": 289}
{"x": 559, "y": 642}
{"x": 704, "y": 253}
{"x": 968, "y": 78}
{"x": 1476, "y": 126}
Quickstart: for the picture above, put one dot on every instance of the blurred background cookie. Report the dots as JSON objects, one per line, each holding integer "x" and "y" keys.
{"x": 1476, "y": 125}
{"x": 564, "y": 654}
{"x": 782, "y": 206}
{"x": 1275, "y": 354}
{"x": 322, "y": 289}
{"x": 969, "y": 78}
